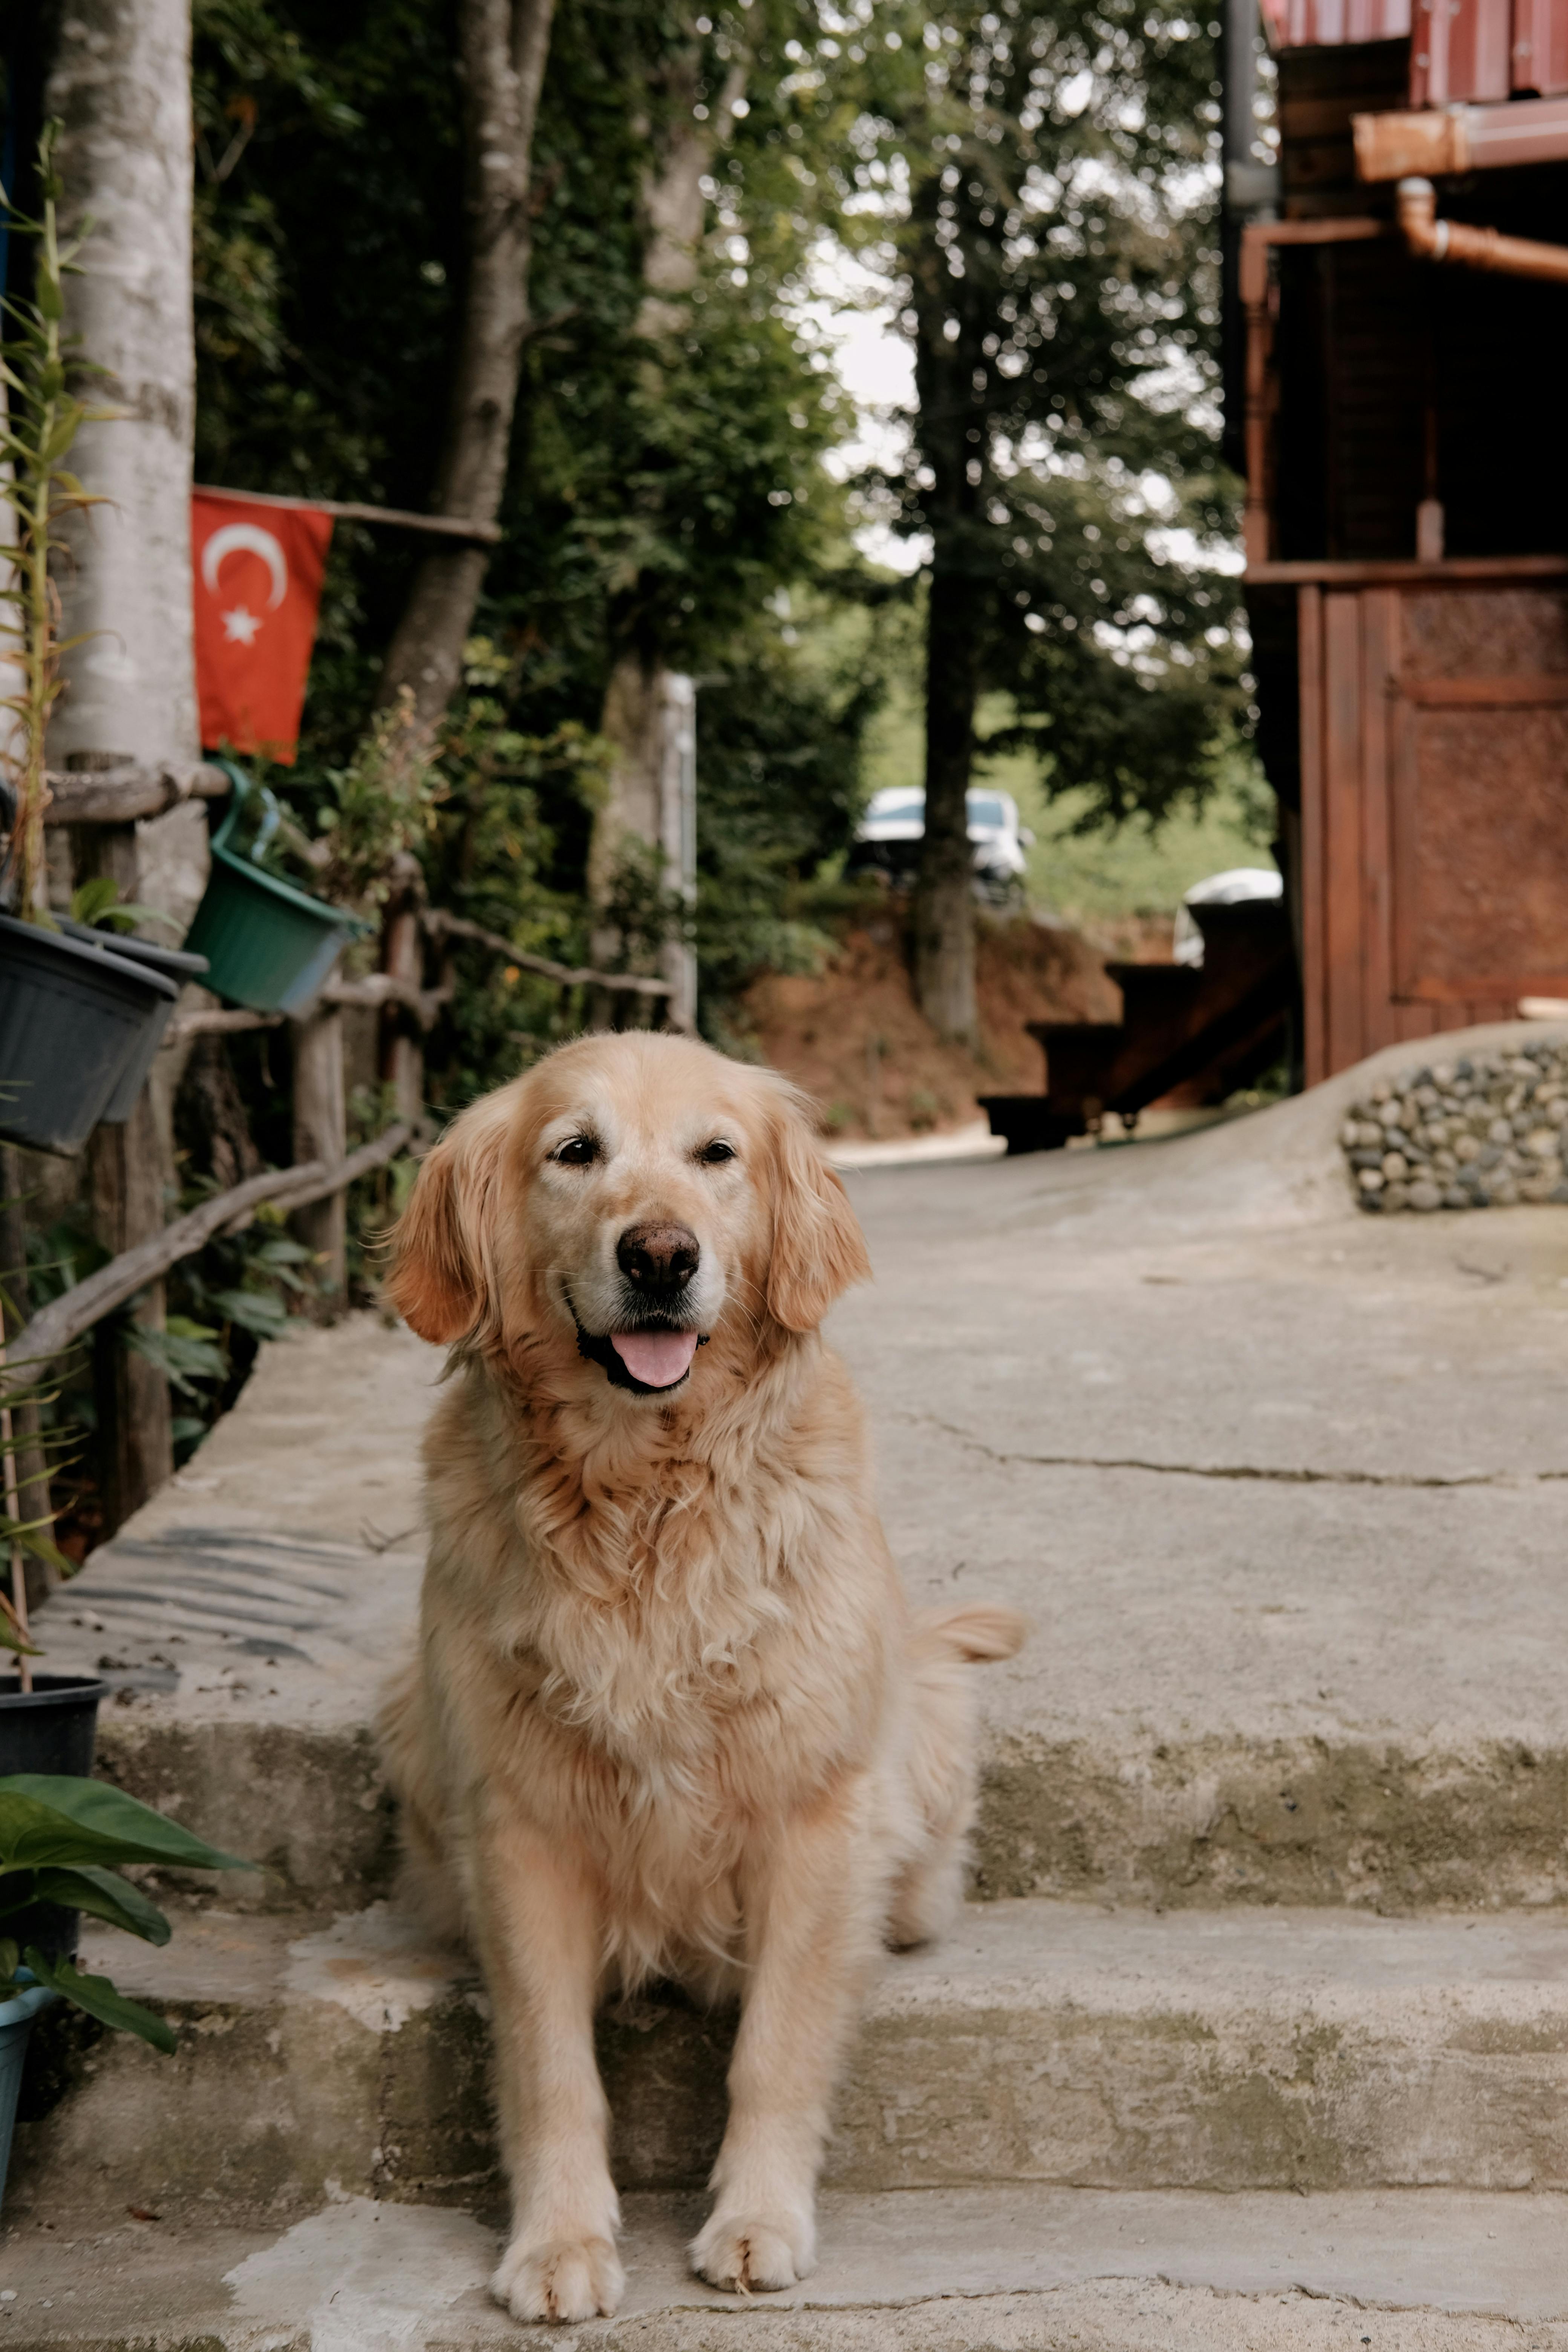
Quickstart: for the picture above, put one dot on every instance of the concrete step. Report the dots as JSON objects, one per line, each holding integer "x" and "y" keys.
{"x": 1012, "y": 2268}
{"x": 1297, "y": 1623}
{"x": 1058, "y": 2043}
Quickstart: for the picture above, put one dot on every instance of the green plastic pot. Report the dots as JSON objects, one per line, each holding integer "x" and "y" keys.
{"x": 268, "y": 946}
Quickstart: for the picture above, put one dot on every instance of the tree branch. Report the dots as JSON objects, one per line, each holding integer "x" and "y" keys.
{"x": 442, "y": 926}
{"x": 503, "y": 44}
{"x": 57, "y": 1325}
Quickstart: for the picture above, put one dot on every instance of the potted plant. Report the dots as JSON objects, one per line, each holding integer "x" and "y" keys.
{"x": 60, "y": 1840}
{"x": 98, "y": 903}
{"x": 73, "y": 1014}
{"x": 269, "y": 946}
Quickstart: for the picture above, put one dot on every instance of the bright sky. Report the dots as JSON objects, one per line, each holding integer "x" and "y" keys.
{"x": 848, "y": 314}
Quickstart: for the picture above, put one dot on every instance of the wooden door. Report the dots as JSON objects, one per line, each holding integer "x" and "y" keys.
{"x": 1435, "y": 807}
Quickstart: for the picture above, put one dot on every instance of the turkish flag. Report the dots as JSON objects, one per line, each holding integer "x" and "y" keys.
{"x": 257, "y": 577}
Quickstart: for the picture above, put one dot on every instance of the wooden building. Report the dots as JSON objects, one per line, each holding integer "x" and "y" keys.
{"x": 1397, "y": 351}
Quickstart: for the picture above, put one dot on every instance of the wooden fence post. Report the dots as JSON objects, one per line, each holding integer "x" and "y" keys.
{"x": 320, "y": 1132}
{"x": 128, "y": 1178}
{"x": 403, "y": 958}
{"x": 32, "y": 1467}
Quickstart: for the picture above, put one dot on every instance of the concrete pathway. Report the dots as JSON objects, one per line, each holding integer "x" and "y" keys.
{"x": 1282, "y": 1490}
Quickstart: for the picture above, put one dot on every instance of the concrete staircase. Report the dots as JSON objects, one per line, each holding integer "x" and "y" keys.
{"x": 1262, "y": 2038}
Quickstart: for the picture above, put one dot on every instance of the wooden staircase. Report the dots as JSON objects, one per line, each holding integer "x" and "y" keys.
{"x": 1205, "y": 1029}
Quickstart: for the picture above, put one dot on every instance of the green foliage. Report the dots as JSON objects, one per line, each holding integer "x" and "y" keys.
{"x": 60, "y": 1840}
{"x": 665, "y": 476}
{"x": 783, "y": 733}
{"x": 1061, "y": 295}
{"x": 99, "y": 902}
{"x": 42, "y": 418}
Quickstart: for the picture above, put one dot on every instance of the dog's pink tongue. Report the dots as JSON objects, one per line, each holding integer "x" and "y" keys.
{"x": 657, "y": 1359}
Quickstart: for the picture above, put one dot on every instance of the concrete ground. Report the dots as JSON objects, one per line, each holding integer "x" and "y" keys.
{"x": 1281, "y": 1489}
{"x": 1279, "y": 1484}
{"x": 1013, "y": 2270}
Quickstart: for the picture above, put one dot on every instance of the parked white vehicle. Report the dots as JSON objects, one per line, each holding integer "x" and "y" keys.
{"x": 890, "y": 836}
{"x": 1226, "y": 889}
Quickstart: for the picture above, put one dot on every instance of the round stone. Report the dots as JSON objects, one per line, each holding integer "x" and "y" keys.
{"x": 1442, "y": 1074}
{"x": 1425, "y": 1195}
{"x": 1542, "y": 1143}
{"x": 1381, "y": 1092}
{"x": 1504, "y": 1194}
{"x": 1444, "y": 1162}
{"x": 1500, "y": 1131}
{"x": 1456, "y": 1197}
{"x": 1371, "y": 1180}
{"x": 1395, "y": 1167}
{"x": 1465, "y": 1146}
{"x": 1489, "y": 1157}
{"x": 1391, "y": 1111}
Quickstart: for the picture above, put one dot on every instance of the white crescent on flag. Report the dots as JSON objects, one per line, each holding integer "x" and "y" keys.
{"x": 248, "y": 538}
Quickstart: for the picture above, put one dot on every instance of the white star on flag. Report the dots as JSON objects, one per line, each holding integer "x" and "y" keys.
{"x": 239, "y": 627}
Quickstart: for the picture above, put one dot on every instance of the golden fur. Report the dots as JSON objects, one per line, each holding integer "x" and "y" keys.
{"x": 671, "y": 1715}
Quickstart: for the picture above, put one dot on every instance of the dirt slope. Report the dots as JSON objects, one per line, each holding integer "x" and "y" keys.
{"x": 853, "y": 1036}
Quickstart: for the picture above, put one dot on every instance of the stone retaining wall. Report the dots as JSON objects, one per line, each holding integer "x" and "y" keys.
{"x": 1473, "y": 1133}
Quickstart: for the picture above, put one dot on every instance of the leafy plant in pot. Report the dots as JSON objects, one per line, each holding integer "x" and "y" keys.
{"x": 63, "y": 1834}
{"x": 73, "y": 1014}
{"x": 60, "y": 1839}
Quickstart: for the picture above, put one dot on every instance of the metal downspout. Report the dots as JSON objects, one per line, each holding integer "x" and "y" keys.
{"x": 1474, "y": 248}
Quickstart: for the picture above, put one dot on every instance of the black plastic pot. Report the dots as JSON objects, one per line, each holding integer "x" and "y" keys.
{"x": 175, "y": 965}
{"x": 72, "y": 1018}
{"x": 53, "y": 1727}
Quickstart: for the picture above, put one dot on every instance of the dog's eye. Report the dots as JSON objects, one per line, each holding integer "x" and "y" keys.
{"x": 577, "y": 1151}
{"x": 713, "y": 1154}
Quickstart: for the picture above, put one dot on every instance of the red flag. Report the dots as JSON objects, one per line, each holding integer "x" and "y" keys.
{"x": 257, "y": 576}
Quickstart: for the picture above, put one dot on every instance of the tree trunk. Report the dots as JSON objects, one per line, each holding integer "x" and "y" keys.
{"x": 504, "y": 45}
{"x": 634, "y": 718}
{"x": 944, "y": 894}
{"x": 121, "y": 83}
{"x": 954, "y": 442}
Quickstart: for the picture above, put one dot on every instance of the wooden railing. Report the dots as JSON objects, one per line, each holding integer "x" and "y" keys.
{"x": 126, "y": 1164}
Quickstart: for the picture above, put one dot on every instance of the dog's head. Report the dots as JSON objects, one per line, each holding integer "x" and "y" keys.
{"x": 629, "y": 1198}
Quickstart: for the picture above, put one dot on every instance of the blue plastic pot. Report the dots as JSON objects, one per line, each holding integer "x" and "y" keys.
{"x": 16, "y": 2032}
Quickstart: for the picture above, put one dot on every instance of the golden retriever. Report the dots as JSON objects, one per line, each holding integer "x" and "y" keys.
{"x": 672, "y": 1716}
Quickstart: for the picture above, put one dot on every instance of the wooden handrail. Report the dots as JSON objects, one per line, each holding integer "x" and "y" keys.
{"x": 55, "y": 1326}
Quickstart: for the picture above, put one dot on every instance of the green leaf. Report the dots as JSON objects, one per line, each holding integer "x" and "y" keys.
{"x": 106, "y": 1895}
{"x": 53, "y": 1819}
{"x": 254, "y": 1310}
{"x": 10, "y": 1959}
{"x": 91, "y": 900}
{"x": 99, "y": 1997}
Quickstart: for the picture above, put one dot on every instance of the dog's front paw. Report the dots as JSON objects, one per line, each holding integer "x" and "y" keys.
{"x": 753, "y": 2253}
{"x": 559, "y": 2278}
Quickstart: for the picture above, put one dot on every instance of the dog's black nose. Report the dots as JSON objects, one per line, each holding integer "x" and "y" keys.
{"x": 658, "y": 1260}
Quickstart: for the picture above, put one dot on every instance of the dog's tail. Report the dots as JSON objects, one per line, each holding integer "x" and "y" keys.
{"x": 979, "y": 1632}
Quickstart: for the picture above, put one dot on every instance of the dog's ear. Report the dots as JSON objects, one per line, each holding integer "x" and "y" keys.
{"x": 433, "y": 1284}
{"x": 818, "y": 1249}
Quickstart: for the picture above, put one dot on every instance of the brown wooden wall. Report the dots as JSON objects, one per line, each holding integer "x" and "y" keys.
{"x": 1434, "y": 736}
